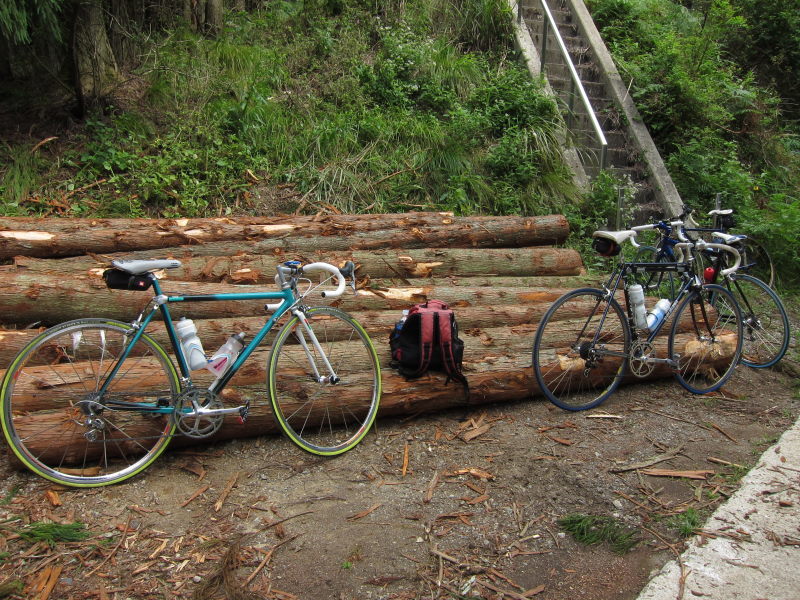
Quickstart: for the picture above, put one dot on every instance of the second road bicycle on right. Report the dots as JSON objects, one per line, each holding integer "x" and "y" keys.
{"x": 591, "y": 337}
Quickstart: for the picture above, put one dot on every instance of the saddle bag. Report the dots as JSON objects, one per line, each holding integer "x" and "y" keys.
{"x": 117, "y": 279}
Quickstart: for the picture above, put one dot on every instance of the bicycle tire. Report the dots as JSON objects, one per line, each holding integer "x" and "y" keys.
{"x": 757, "y": 262}
{"x": 572, "y": 370}
{"x": 322, "y": 417}
{"x": 765, "y": 323}
{"x": 706, "y": 354}
{"x": 51, "y": 385}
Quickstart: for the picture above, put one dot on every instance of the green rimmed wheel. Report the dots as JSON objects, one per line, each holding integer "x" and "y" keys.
{"x": 325, "y": 396}
{"x": 67, "y": 423}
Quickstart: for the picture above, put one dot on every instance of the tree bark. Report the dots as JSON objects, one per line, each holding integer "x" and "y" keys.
{"x": 213, "y": 23}
{"x": 378, "y": 323}
{"x": 95, "y": 66}
{"x": 278, "y": 236}
{"x": 374, "y": 264}
{"x": 52, "y": 299}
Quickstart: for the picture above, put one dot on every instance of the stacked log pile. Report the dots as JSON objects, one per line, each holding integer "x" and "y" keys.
{"x": 500, "y": 274}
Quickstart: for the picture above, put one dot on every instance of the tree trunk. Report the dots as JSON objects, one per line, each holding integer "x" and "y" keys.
{"x": 375, "y": 264}
{"x": 50, "y": 299}
{"x": 278, "y": 236}
{"x": 213, "y": 17}
{"x": 95, "y": 66}
{"x": 378, "y": 323}
{"x": 493, "y": 376}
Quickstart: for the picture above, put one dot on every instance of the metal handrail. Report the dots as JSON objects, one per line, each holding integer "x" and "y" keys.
{"x": 576, "y": 82}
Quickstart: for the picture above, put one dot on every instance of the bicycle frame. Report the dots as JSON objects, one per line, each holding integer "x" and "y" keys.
{"x": 161, "y": 302}
{"x": 620, "y": 273}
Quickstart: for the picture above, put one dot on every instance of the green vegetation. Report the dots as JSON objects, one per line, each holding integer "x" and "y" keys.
{"x": 686, "y": 523}
{"x": 360, "y": 106}
{"x": 702, "y": 81}
{"x": 594, "y": 529}
{"x": 402, "y": 105}
{"x": 51, "y": 533}
{"x": 9, "y": 496}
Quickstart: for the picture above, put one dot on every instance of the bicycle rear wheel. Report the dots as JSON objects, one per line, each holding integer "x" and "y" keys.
{"x": 764, "y": 319}
{"x": 321, "y": 414}
{"x": 60, "y": 423}
{"x": 580, "y": 351}
{"x": 705, "y": 341}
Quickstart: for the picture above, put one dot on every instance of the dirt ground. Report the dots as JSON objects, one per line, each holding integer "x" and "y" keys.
{"x": 462, "y": 504}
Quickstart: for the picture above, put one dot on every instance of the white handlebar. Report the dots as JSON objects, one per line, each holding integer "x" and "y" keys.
{"x": 729, "y": 250}
{"x": 328, "y": 268}
{"x": 702, "y": 245}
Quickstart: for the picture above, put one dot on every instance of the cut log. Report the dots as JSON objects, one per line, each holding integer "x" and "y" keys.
{"x": 37, "y": 387}
{"x": 214, "y": 237}
{"x": 48, "y": 371}
{"x": 50, "y": 299}
{"x": 378, "y": 323}
{"x": 494, "y": 376}
{"x": 404, "y": 264}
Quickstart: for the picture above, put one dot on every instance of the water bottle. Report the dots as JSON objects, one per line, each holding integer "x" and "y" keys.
{"x": 656, "y": 314}
{"x": 192, "y": 347}
{"x": 227, "y": 353}
{"x": 636, "y": 297}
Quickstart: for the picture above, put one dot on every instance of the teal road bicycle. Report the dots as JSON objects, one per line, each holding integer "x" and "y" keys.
{"x": 92, "y": 402}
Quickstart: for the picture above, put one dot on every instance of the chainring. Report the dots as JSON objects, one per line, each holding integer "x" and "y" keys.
{"x": 194, "y": 425}
{"x": 638, "y": 362}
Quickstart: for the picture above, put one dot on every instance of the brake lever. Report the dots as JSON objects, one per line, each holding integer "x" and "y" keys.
{"x": 349, "y": 272}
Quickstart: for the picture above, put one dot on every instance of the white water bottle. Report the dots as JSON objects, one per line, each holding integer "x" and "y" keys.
{"x": 636, "y": 296}
{"x": 191, "y": 344}
{"x": 656, "y": 314}
{"x": 227, "y": 353}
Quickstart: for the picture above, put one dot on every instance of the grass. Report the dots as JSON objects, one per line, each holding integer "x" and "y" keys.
{"x": 52, "y": 533}
{"x": 10, "y": 495}
{"x": 594, "y": 529}
{"x": 417, "y": 105}
{"x": 686, "y": 523}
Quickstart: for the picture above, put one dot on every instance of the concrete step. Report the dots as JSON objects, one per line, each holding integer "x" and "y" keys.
{"x": 594, "y": 89}
{"x": 619, "y": 153}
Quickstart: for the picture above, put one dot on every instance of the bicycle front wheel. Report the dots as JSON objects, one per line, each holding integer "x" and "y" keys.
{"x": 580, "y": 351}
{"x": 67, "y": 423}
{"x": 757, "y": 262}
{"x": 764, "y": 320}
{"x": 325, "y": 395}
{"x": 705, "y": 341}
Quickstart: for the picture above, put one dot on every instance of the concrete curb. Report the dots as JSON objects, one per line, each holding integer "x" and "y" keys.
{"x": 756, "y": 554}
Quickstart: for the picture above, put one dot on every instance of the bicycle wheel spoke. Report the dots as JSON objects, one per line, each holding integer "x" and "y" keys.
{"x": 331, "y": 412}
{"x": 706, "y": 356}
{"x": 580, "y": 349}
{"x": 765, "y": 322}
{"x": 63, "y": 426}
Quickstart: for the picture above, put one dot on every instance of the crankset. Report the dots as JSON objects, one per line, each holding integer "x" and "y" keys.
{"x": 641, "y": 361}
{"x": 196, "y": 413}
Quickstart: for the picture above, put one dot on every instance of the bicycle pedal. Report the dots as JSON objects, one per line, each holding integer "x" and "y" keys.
{"x": 244, "y": 412}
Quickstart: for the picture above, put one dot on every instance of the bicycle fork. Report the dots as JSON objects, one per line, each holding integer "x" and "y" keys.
{"x": 331, "y": 378}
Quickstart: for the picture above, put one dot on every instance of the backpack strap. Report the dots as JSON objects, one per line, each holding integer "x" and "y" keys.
{"x": 445, "y": 329}
{"x": 425, "y": 342}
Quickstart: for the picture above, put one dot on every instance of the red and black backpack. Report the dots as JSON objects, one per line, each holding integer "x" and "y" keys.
{"x": 427, "y": 339}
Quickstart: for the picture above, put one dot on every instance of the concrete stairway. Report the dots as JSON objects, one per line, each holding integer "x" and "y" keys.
{"x": 630, "y": 151}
